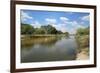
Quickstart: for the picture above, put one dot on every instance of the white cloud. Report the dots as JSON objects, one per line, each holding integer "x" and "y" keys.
{"x": 75, "y": 25}
{"x": 50, "y": 20}
{"x": 70, "y": 27}
{"x": 36, "y": 24}
{"x": 64, "y": 19}
{"x": 66, "y": 25}
{"x": 25, "y": 16}
{"x": 85, "y": 18}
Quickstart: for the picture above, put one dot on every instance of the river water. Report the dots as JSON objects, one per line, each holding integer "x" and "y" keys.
{"x": 49, "y": 49}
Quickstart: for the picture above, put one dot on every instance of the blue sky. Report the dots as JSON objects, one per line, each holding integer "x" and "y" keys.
{"x": 63, "y": 21}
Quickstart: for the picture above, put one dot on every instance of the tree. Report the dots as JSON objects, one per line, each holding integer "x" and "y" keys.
{"x": 59, "y": 32}
{"x": 82, "y": 37}
{"x": 66, "y": 33}
{"x": 49, "y": 29}
{"x": 26, "y": 29}
{"x": 39, "y": 31}
{"x": 83, "y": 31}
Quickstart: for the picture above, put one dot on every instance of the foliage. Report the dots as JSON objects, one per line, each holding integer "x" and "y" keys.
{"x": 47, "y": 29}
{"x": 83, "y": 31}
{"x": 26, "y": 29}
{"x": 59, "y": 32}
{"x": 82, "y": 37}
{"x": 83, "y": 41}
{"x": 39, "y": 31}
{"x": 66, "y": 33}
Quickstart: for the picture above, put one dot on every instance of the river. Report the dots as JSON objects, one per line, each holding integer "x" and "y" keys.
{"x": 48, "y": 49}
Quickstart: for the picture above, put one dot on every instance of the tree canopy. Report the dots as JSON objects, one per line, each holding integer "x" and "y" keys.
{"x": 83, "y": 31}
{"x": 47, "y": 29}
{"x": 27, "y": 29}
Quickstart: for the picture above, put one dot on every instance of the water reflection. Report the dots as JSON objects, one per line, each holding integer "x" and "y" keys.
{"x": 48, "y": 49}
{"x": 47, "y": 41}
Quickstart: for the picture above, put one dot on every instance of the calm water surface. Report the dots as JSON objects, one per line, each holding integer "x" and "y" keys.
{"x": 48, "y": 49}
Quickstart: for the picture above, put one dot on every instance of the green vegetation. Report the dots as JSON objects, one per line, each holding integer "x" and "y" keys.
{"x": 82, "y": 37}
{"x": 27, "y": 29}
{"x": 49, "y": 29}
{"x": 44, "y": 35}
{"x": 83, "y": 31}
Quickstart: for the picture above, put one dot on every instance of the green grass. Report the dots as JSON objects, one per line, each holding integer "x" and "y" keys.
{"x": 83, "y": 41}
{"x": 83, "y": 44}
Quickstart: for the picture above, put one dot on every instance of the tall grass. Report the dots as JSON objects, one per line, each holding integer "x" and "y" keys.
{"x": 82, "y": 38}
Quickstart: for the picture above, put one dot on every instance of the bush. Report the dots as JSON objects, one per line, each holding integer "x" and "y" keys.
{"x": 83, "y": 41}
{"x": 82, "y": 37}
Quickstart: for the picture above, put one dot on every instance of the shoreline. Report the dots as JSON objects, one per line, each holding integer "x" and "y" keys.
{"x": 83, "y": 55}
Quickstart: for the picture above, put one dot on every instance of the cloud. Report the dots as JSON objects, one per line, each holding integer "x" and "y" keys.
{"x": 69, "y": 26}
{"x": 85, "y": 18}
{"x": 64, "y": 19}
{"x": 25, "y": 16}
{"x": 50, "y": 21}
{"x": 36, "y": 24}
{"x": 75, "y": 25}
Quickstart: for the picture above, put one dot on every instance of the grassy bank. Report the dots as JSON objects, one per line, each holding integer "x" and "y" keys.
{"x": 83, "y": 47}
{"x": 42, "y": 36}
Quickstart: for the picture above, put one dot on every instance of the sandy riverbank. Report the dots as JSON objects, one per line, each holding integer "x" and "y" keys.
{"x": 83, "y": 55}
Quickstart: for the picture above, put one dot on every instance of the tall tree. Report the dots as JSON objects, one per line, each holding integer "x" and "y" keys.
{"x": 49, "y": 29}
{"x": 26, "y": 29}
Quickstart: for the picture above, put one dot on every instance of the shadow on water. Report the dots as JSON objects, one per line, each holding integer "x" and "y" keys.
{"x": 41, "y": 49}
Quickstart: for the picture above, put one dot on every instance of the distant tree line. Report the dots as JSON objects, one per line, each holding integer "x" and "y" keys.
{"x": 47, "y": 29}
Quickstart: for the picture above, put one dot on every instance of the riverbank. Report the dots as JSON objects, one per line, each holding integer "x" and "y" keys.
{"x": 83, "y": 54}
{"x": 42, "y": 36}
{"x": 83, "y": 50}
